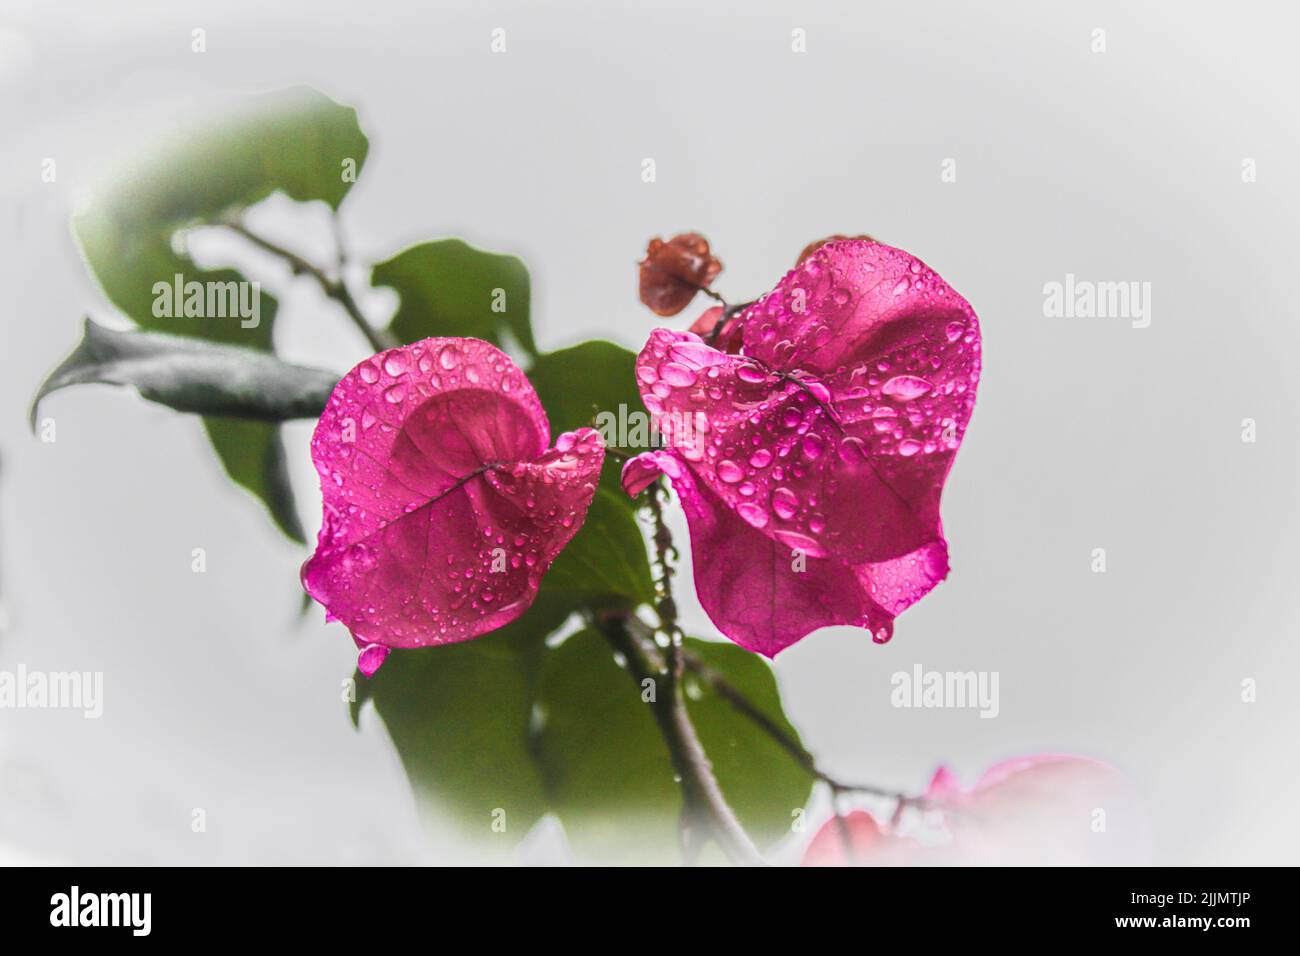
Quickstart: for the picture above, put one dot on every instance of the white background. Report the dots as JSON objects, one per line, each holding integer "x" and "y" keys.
{"x": 1120, "y": 166}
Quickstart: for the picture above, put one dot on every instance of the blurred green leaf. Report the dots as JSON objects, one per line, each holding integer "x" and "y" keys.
{"x": 296, "y": 141}
{"x": 761, "y": 779}
{"x": 609, "y": 776}
{"x": 606, "y": 561}
{"x": 459, "y": 717}
{"x": 449, "y": 288}
{"x": 193, "y": 376}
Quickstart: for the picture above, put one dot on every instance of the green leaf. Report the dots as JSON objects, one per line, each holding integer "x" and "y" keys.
{"x": 762, "y": 781}
{"x": 578, "y": 383}
{"x": 193, "y": 376}
{"x": 252, "y": 455}
{"x": 594, "y": 384}
{"x": 607, "y": 771}
{"x": 296, "y": 141}
{"x": 449, "y": 288}
{"x": 609, "y": 775}
{"x": 459, "y": 717}
{"x": 606, "y": 561}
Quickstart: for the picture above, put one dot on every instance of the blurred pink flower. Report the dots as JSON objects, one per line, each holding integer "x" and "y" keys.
{"x": 443, "y": 506}
{"x": 1030, "y": 811}
{"x": 810, "y": 467}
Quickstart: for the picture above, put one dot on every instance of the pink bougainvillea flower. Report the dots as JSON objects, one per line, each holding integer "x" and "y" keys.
{"x": 443, "y": 505}
{"x": 1042, "y": 810}
{"x": 810, "y": 466}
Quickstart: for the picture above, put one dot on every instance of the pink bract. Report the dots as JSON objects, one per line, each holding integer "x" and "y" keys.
{"x": 810, "y": 466}
{"x": 1047, "y": 809}
{"x": 443, "y": 506}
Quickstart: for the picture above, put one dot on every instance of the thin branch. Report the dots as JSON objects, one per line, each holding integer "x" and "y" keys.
{"x": 336, "y": 288}
{"x": 705, "y": 808}
{"x": 729, "y": 692}
{"x": 716, "y": 297}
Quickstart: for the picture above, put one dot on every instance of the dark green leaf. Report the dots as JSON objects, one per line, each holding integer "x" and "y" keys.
{"x": 296, "y": 141}
{"x": 449, "y": 288}
{"x": 607, "y": 770}
{"x": 193, "y": 376}
{"x": 577, "y": 384}
{"x": 606, "y": 560}
{"x": 459, "y": 717}
{"x": 594, "y": 384}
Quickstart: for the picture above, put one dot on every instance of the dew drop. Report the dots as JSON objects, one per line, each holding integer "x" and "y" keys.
{"x": 677, "y": 375}
{"x": 449, "y": 357}
{"x": 904, "y": 388}
{"x": 729, "y": 471}
{"x": 785, "y": 503}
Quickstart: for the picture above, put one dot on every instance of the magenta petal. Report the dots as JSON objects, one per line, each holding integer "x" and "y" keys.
{"x": 757, "y": 591}
{"x": 831, "y": 436}
{"x": 442, "y": 506}
{"x": 853, "y": 300}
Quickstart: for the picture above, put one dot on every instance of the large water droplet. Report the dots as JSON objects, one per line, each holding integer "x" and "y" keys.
{"x": 729, "y": 471}
{"x": 370, "y": 657}
{"x": 752, "y": 513}
{"x": 449, "y": 357}
{"x": 904, "y": 388}
{"x": 677, "y": 375}
{"x": 785, "y": 503}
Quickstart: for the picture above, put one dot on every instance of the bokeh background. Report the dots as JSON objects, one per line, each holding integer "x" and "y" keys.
{"x": 1117, "y": 166}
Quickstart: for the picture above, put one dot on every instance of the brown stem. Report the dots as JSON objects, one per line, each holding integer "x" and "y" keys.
{"x": 705, "y": 808}
{"x": 337, "y": 289}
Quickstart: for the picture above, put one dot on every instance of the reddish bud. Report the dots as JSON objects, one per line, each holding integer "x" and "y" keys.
{"x": 673, "y": 271}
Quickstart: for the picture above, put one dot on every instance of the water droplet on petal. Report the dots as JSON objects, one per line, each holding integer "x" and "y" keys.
{"x": 729, "y": 471}
{"x": 904, "y": 388}
{"x": 677, "y": 375}
{"x": 371, "y": 656}
{"x": 785, "y": 503}
{"x": 449, "y": 357}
